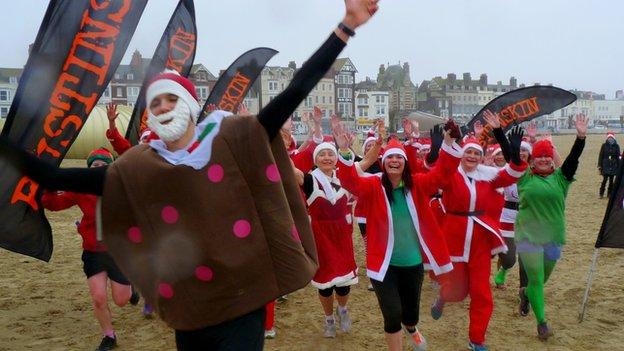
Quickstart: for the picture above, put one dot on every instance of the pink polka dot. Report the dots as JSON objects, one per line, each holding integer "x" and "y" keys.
{"x": 295, "y": 234}
{"x": 215, "y": 173}
{"x": 169, "y": 214}
{"x": 134, "y": 235}
{"x": 272, "y": 173}
{"x": 204, "y": 273}
{"x": 165, "y": 290}
{"x": 242, "y": 228}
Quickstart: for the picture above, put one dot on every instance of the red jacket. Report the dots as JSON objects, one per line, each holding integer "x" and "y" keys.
{"x": 376, "y": 209}
{"x": 472, "y": 203}
{"x": 119, "y": 143}
{"x": 58, "y": 201}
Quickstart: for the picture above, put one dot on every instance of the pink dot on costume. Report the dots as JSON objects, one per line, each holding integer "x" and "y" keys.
{"x": 204, "y": 273}
{"x": 215, "y": 173}
{"x": 134, "y": 235}
{"x": 272, "y": 173}
{"x": 242, "y": 228}
{"x": 169, "y": 214}
{"x": 165, "y": 290}
{"x": 295, "y": 234}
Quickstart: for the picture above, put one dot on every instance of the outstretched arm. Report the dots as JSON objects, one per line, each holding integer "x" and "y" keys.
{"x": 273, "y": 115}
{"x": 569, "y": 166}
{"x": 79, "y": 180}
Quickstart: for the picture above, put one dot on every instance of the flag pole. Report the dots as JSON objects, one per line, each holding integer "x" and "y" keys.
{"x": 590, "y": 277}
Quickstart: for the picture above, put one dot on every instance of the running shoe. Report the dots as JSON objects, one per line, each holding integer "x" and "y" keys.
{"x": 344, "y": 319}
{"x": 500, "y": 278}
{"x": 417, "y": 340}
{"x": 370, "y": 287}
{"x": 523, "y": 308}
{"x": 330, "y": 329}
{"x": 148, "y": 311}
{"x": 477, "y": 347}
{"x": 135, "y": 297}
{"x": 269, "y": 334}
{"x": 107, "y": 343}
{"x": 543, "y": 331}
{"x": 437, "y": 308}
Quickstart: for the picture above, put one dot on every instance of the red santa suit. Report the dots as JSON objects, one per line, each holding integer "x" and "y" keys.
{"x": 376, "y": 208}
{"x": 472, "y": 234}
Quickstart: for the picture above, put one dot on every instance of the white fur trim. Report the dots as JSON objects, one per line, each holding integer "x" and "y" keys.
{"x": 350, "y": 278}
{"x": 323, "y": 146}
{"x": 167, "y": 86}
{"x": 512, "y": 172}
{"x": 368, "y": 140}
{"x": 525, "y": 145}
{"x": 453, "y": 149}
{"x": 393, "y": 151}
{"x": 379, "y": 276}
{"x": 473, "y": 146}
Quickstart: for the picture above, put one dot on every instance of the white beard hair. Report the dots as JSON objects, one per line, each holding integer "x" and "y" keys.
{"x": 174, "y": 130}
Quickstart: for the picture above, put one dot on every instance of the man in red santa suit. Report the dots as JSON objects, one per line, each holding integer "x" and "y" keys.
{"x": 470, "y": 227}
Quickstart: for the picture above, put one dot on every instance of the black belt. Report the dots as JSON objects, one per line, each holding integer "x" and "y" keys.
{"x": 511, "y": 205}
{"x": 468, "y": 214}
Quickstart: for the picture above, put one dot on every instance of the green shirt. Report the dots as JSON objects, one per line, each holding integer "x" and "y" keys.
{"x": 406, "y": 250}
{"x": 541, "y": 214}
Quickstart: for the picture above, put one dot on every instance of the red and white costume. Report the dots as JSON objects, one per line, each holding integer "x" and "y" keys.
{"x": 332, "y": 226}
{"x": 473, "y": 236}
{"x": 376, "y": 209}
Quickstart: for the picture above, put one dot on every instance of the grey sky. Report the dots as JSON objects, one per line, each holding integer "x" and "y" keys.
{"x": 570, "y": 43}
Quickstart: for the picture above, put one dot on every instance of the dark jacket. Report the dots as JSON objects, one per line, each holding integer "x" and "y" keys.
{"x": 608, "y": 159}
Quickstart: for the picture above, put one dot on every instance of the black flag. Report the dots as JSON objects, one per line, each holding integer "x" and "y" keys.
{"x": 236, "y": 81}
{"x": 612, "y": 229}
{"x": 77, "y": 50}
{"x": 176, "y": 51}
{"x": 521, "y": 105}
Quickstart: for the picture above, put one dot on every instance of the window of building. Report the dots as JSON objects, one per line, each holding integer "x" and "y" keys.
{"x": 133, "y": 91}
{"x": 344, "y": 108}
{"x": 13, "y": 80}
{"x": 273, "y": 85}
{"x": 380, "y": 99}
{"x": 4, "y": 95}
{"x": 381, "y": 110}
{"x": 202, "y": 92}
{"x": 271, "y": 97}
{"x": 130, "y": 76}
{"x": 316, "y": 100}
{"x": 363, "y": 101}
{"x": 119, "y": 91}
{"x": 331, "y": 99}
{"x": 4, "y": 111}
{"x": 107, "y": 92}
{"x": 308, "y": 102}
{"x": 117, "y": 76}
{"x": 363, "y": 112}
{"x": 323, "y": 87}
{"x": 323, "y": 99}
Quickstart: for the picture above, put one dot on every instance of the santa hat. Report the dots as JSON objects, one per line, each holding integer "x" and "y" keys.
{"x": 394, "y": 147}
{"x": 526, "y": 145}
{"x": 171, "y": 82}
{"x": 494, "y": 149}
{"x": 426, "y": 144}
{"x": 323, "y": 146}
{"x": 471, "y": 142}
{"x": 370, "y": 133}
{"x": 367, "y": 141}
{"x": 543, "y": 148}
{"x": 99, "y": 154}
{"x": 610, "y": 135}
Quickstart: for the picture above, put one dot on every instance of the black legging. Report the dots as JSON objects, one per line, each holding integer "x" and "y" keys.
{"x": 508, "y": 259}
{"x": 604, "y": 183}
{"x": 399, "y": 296}
{"x": 340, "y": 291}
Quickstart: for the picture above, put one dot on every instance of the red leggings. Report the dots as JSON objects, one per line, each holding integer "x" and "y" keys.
{"x": 269, "y": 319}
{"x": 472, "y": 278}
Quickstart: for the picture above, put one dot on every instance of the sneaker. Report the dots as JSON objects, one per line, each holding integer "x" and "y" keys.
{"x": 523, "y": 308}
{"x": 344, "y": 319}
{"x": 370, "y": 287}
{"x": 477, "y": 347}
{"x": 148, "y": 311}
{"x": 330, "y": 329}
{"x": 135, "y": 297}
{"x": 500, "y": 278}
{"x": 269, "y": 334}
{"x": 107, "y": 343}
{"x": 417, "y": 340}
{"x": 437, "y": 308}
{"x": 543, "y": 331}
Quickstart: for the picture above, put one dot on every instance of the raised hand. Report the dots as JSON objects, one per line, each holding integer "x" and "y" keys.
{"x": 211, "y": 108}
{"x": 111, "y": 112}
{"x": 343, "y": 140}
{"x": 532, "y": 130}
{"x": 381, "y": 128}
{"x": 359, "y": 12}
{"x": 451, "y": 126}
{"x": 581, "y": 125}
{"x": 407, "y": 127}
{"x": 243, "y": 110}
{"x": 515, "y": 136}
{"x": 478, "y": 128}
{"x": 491, "y": 119}
{"x": 437, "y": 136}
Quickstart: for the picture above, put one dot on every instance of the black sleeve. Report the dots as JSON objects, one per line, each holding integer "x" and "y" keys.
{"x": 569, "y": 166}
{"x": 275, "y": 114}
{"x": 600, "y": 155}
{"x": 308, "y": 186}
{"x": 432, "y": 156}
{"x": 79, "y": 180}
{"x": 499, "y": 134}
{"x": 357, "y": 158}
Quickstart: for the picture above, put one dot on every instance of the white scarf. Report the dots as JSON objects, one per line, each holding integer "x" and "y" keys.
{"x": 325, "y": 181}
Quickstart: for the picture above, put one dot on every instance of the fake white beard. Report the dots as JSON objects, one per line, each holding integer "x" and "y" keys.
{"x": 180, "y": 118}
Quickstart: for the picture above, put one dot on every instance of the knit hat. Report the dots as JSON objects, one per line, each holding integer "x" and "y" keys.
{"x": 610, "y": 135}
{"x": 394, "y": 147}
{"x": 171, "y": 82}
{"x": 471, "y": 142}
{"x": 543, "y": 148}
{"x": 323, "y": 146}
{"x": 99, "y": 154}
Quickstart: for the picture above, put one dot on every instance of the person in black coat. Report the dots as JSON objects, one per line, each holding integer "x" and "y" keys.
{"x": 608, "y": 162}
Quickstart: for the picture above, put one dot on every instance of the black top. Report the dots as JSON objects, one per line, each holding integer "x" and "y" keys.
{"x": 272, "y": 117}
{"x": 569, "y": 166}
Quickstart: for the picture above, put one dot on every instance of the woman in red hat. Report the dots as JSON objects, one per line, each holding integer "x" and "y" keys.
{"x": 608, "y": 163}
{"x": 540, "y": 224}
{"x": 98, "y": 265}
{"x": 403, "y": 235}
{"x": 472, "y": 233}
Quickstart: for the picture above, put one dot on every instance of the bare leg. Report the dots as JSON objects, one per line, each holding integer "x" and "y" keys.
{"x": 394, "y": 341}
{"x": 121, "y": 293}
{"x": 99, "y": 298}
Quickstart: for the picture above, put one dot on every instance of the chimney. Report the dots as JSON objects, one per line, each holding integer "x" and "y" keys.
{"x": 513, "y": 82}
{"x": 292, "y": 65}
{"x": 483, "y": 79}
{"x": 137, "y": 59}
{"x": 467, "y": 78}
{"x": 406, "y": 68}
{"x": 522, "y": 85}
{"x": 451, "y": 77}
